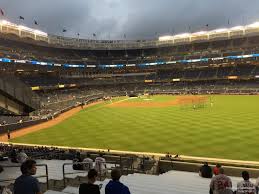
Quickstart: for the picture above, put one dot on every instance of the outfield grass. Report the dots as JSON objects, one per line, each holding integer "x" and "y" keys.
{"x": 229, "y": 129}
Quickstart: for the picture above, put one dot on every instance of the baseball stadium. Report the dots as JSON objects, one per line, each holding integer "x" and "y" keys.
{"x": 154, "y": 108}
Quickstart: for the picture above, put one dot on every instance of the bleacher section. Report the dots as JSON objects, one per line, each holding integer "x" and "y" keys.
{"x": 173, "y": 182}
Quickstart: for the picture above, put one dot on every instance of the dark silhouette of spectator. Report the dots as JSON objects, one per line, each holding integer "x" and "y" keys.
{"x": 205, "y": 171}
{"x": 8, "y": 134}
{"x": 216, "y": 169}
{"x": 245, "y": 186}
{"x": 13, "y": 156}
{"x": 115, "y": 186}
{"x": 257, "y": 185}
{"x": 90, "y": 187}
{"x": 221, "y": 184}
{"x": 77, "y": 160}
{"x": 26, "y": 183}
{"x": 1, "y": 169}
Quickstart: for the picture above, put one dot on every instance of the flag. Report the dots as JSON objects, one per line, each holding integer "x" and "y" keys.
{"x": 124, "y": 35}
{"x": 207, "y": 25}
{"x": 78, "y": 34}
{"x": 21, "y": 18}
{"x": 94, "y": 35}
{"x": 2, "y": 12}
{"x": 64, "y": 30}
{"x": 228, "y": 22}
{"x": 35, "y": 22}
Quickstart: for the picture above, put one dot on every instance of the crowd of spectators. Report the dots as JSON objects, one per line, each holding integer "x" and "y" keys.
{"x": 26, "y": 183}
{"x": 222, "y": 184}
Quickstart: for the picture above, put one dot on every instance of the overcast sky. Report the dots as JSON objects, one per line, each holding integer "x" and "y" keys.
{"x": 138, "y": 19}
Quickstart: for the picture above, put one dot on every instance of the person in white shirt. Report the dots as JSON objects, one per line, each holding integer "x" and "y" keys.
{"x": 245, "y": 186}
{"x": 100, "y": 164}
{"x": 22, "y": 156}
{"x": 88, "y": 163}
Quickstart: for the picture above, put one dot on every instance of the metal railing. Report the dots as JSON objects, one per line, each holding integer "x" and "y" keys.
{"x": 40, "y": 176}
{"x": 117, "y": 164}
{"x": 75, "y": 171}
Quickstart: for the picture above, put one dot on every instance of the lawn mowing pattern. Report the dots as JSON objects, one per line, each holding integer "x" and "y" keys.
{"x": 229, "y": 129}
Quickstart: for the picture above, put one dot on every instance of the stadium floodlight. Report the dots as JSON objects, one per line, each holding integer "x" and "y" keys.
{"x": 20, "y": 27}
{"x": 165, "y": 38}
{"x": 199, "y": 33}
{"x": 237, "y": 28}
{"x": 40, "y": 33}
{"x": 184, "y": 35}
{"x": 254, "y": 25}
{"x": 24, "y": 28}
{"x": 4, "y": 22}
{"x": 220, "y": 30}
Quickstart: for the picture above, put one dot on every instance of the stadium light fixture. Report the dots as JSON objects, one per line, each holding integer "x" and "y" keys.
{"x": 20, "y": 27}
{"x": 184, "y": 35}
{"x": 165, "y": 38}
{"x": 199, "y": 33}
{"x": 237, "y": 28}
{"x": 254, "y": 25}
{"x": 38, "y": 32}
{"x": 220, "y": 30}
{"x": 4, "y": 22}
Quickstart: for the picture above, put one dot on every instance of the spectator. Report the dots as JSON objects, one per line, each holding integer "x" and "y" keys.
{"x": 77, "y": 160}
{"x": 221, "y": 184}
{"x": 21, "y": 156}
{"x": 100, "y": 164}
{"x": 216, "y": 169}
{"x": 115, "y": 186}
{"x": 8, "y": 134}
{"x": 90, "y": 187}
{"x": 257, "y": 185}
{"x": 13, "y": 156}
{"x": 88, "y": 163}
{"x": 245, "y": 186}
{"x": 205, "y": 171}
{"x": 4, "y": 190}
{"x": 26, "y": 183}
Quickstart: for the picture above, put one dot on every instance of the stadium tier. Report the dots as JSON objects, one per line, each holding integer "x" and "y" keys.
{"x": 220, "y": 62}
{"x": 143, "y": 106}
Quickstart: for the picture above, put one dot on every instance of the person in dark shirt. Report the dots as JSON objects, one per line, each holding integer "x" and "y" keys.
{"x": 26, "y": 183}
{"x": 205, "y": 171}
{"x": 115, "y": 186}
{"x": 90, "y": 187}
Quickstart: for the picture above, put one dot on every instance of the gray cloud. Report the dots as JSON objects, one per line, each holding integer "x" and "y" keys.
{"x": 138, "y": 19}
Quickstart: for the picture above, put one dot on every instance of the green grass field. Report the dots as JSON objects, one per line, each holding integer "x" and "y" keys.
{"x": 229, "y": 129}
